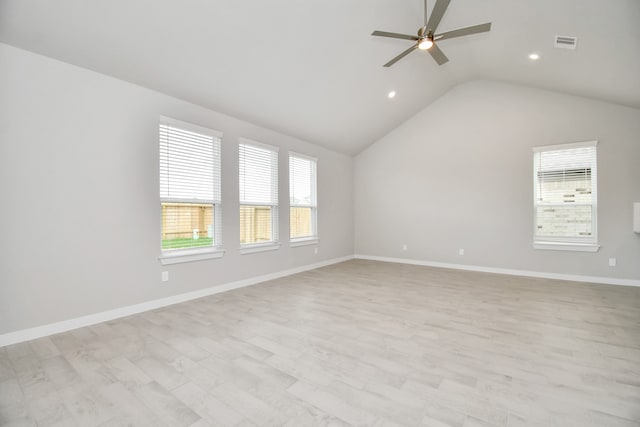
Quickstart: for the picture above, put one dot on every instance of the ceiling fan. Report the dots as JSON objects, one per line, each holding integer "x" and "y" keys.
{"x": 427, "y": 37}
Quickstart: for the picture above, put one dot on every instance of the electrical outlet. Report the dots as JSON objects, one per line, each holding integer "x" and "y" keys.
{"x": 404, "y": 247}
{"x": 460, "y": 251}
{"x": 612, "y": 262}
{"x": 165, "y": 276}
{"x": 315, "y": 251}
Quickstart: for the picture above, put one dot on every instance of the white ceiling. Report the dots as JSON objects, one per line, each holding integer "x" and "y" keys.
{"x": 311, "y": 69}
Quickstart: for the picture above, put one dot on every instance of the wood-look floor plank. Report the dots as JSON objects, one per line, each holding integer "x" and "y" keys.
{"x": 165, "y": 405}
{"x": 207, "y": 406}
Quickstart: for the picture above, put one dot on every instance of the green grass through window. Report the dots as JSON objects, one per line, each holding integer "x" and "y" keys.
{"x": 186, "y": 243}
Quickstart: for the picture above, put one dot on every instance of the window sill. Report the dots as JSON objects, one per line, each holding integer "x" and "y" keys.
{"x": 190, "y": 255}
{"x": 304, "y": 242}
{"x": 260, "y": 247}
{"x": 565, "y": 246}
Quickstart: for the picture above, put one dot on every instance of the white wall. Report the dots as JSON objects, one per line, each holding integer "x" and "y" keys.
{"x": 79, "y": 216}
{"x": 459, "y": 175}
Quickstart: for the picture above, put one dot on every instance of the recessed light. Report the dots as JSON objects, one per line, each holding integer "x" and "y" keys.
{"x": 534, "y": 56}
{"x": 392, "y": 94}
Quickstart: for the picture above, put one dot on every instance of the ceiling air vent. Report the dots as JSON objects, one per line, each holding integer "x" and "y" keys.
{"x": 565, "y": 42}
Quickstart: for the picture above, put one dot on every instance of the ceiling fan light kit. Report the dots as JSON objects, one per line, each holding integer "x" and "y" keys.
{"x": 427, "y": 37}
{"x": 425, "y": 43}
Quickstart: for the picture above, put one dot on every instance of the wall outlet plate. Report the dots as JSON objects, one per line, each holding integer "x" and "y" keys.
{"x": 165, "y": 276}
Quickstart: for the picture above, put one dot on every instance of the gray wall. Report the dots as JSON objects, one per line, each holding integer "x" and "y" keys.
{"x": 79, "y": 222}
{"x": 459, "y": 175}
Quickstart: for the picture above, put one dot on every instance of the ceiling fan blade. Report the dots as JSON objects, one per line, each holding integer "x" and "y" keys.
{"x": 399, "y": 57}
{"x": 438, "y": 55}
{"x": 475, "y": 29}
{"x": 394, "y": 35}
{"x": 436, "y": 14}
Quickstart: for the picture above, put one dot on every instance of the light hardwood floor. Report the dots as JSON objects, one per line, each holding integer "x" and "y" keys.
{"x": 357, "y": 343}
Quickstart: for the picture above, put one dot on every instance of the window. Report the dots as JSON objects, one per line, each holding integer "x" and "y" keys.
{"x": 302, "y": 198}
{"x": 258, "y": 195}
{"x": 189, "y": 186}
{"x": 565, "y": 196}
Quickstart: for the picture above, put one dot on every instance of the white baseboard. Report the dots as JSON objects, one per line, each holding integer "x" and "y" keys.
{"x": 539, "y": 274}
{"x": 92, "y": 319}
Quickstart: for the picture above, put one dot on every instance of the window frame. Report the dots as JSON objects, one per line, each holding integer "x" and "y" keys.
{"x": 313, "y": 238}
{"x": 564, "y": 243}
{"x": 180, "y": 255}
{"x": 274, "y": 243}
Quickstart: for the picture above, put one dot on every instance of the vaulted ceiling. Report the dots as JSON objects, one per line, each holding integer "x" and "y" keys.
{"x": 311, "y": 69}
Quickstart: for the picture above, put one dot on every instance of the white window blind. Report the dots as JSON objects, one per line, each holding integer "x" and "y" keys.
{"x": 189, "y": 185}
{"x": 565, "y": 193}
{"x": 302, "y": 197}
{"x": 258, "y": 168}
